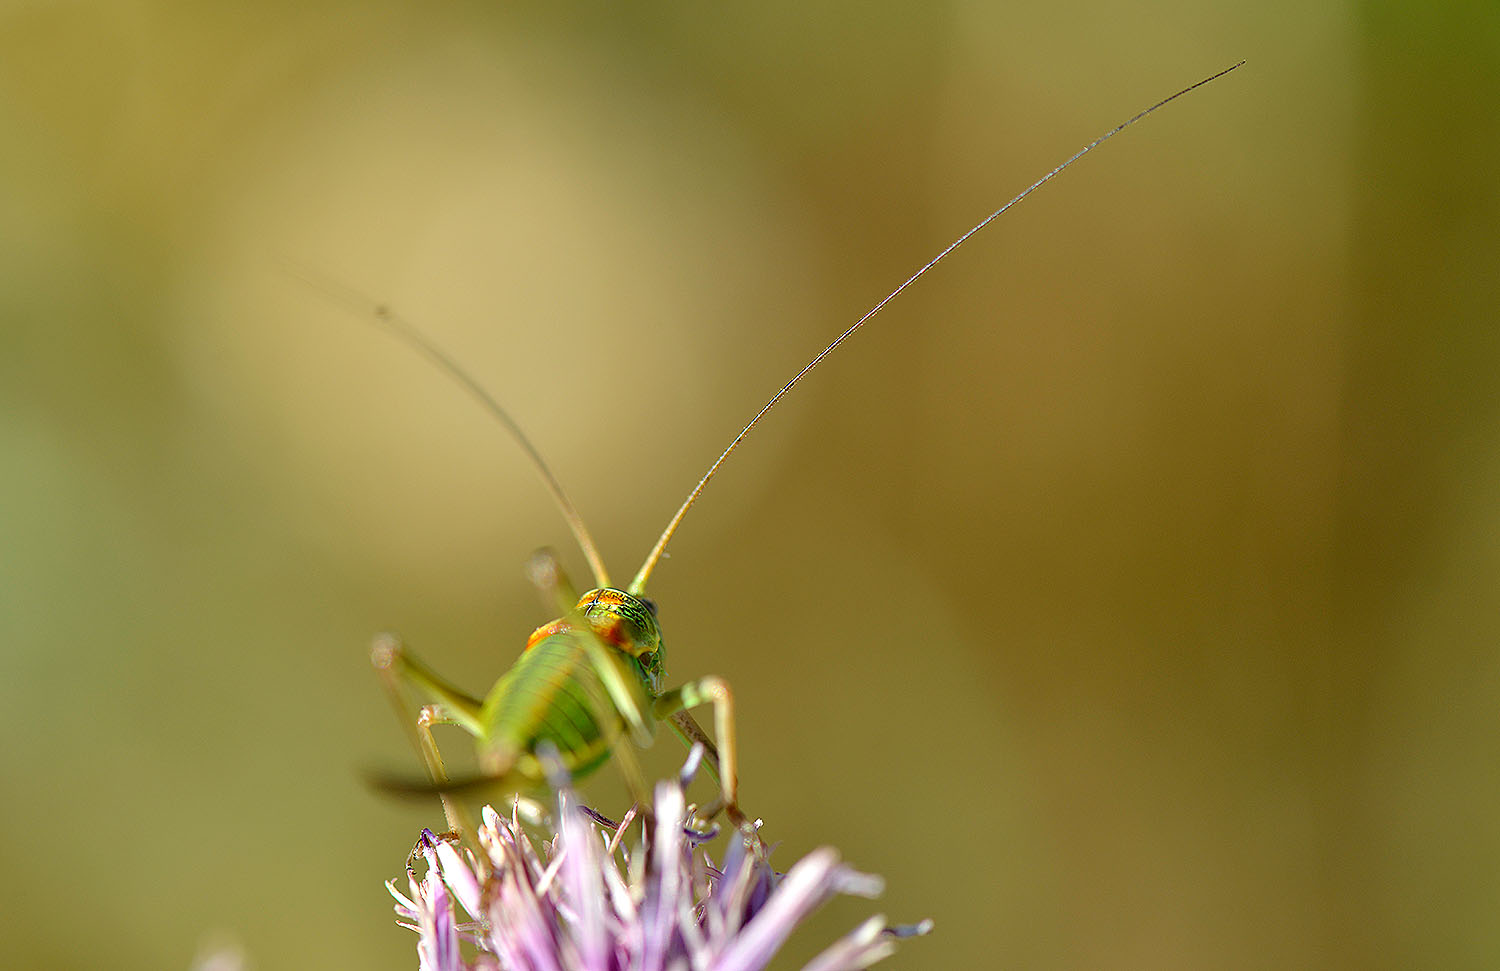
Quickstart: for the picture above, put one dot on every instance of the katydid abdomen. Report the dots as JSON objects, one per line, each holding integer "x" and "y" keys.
{"x": 553, "y": 694}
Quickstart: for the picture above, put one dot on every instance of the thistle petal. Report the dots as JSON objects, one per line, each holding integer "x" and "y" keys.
{"x": 573, "y": 905}
{"x": 857, "y": 949}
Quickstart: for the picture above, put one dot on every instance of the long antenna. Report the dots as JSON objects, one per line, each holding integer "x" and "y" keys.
{"x": 638, "y": 585}
{"x": 414, "y": 338}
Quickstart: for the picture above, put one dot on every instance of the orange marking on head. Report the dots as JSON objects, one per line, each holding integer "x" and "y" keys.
{"x": 608, "y": 630}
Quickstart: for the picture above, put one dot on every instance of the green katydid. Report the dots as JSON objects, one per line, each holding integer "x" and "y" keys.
{"x": 591, "y": 683}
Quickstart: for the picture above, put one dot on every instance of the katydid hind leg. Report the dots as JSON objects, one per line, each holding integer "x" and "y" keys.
{"x": 397, "y": 668}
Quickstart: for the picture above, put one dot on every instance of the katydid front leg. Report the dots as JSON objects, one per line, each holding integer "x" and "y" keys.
{"x": 715, "y": 691}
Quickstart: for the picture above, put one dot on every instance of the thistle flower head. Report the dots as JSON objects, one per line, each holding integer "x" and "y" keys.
{"x": 587, "y": 902}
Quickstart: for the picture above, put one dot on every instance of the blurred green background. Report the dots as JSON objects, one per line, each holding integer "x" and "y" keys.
{"x": 1126, "y": 594}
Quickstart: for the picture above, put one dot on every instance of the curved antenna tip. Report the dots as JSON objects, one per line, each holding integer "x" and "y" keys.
{"x": 638, "y": 585}
{"x": 415, "y": 339}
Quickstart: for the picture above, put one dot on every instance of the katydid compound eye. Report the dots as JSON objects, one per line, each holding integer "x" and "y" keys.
{"x": 650, "y": 605}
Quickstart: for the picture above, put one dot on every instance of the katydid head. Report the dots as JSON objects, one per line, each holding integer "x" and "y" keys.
{"x": 627, "y": 623}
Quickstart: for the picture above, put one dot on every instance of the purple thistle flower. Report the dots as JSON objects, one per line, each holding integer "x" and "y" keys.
{"x": 588, "y": 903}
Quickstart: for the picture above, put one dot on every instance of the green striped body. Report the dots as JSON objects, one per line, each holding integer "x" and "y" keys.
{"x": 553, "y": 693}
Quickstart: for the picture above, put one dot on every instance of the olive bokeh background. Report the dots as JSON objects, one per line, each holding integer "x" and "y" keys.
{"x": 1125, "y": 595}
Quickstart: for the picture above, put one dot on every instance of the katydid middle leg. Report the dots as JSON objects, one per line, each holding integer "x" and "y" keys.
{"x": 430, "y": 715}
